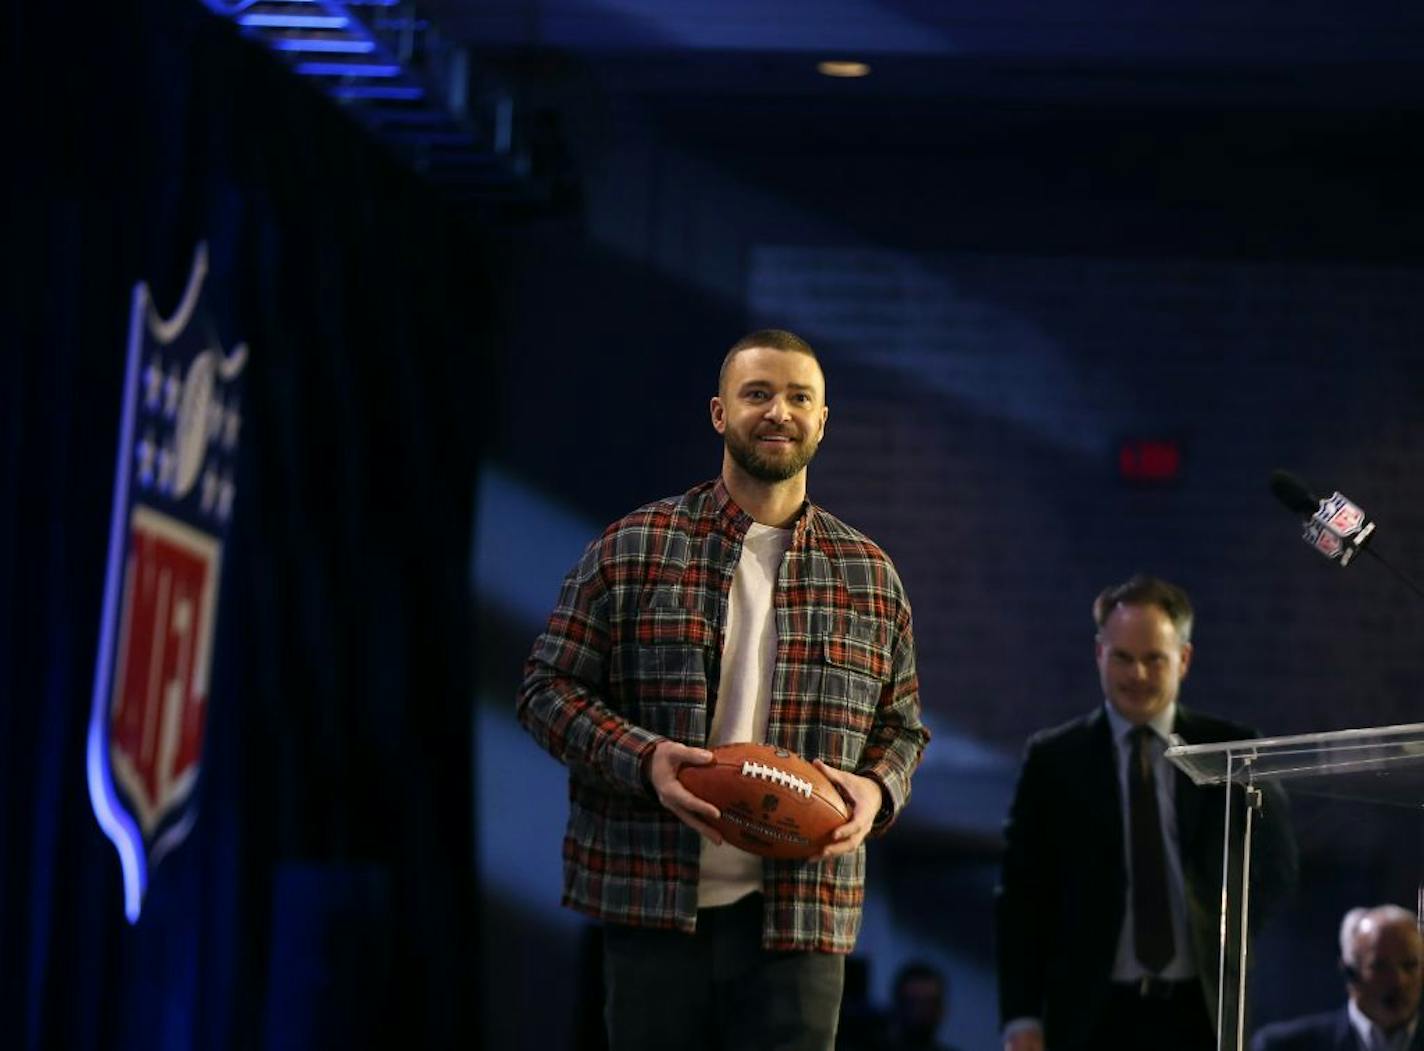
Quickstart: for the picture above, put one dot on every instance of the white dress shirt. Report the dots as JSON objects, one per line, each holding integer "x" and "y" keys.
{"x": 1373, "y": 1038}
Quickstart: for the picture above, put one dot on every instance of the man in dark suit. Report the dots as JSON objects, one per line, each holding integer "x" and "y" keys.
{"x": 1108, "y": 912}
{"x": 1382, "y": 958}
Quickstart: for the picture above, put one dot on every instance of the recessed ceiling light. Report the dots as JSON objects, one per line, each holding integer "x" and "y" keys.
{"x": 843, "y": 69}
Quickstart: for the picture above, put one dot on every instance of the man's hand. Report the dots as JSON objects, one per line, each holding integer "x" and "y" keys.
{"x": 1029, "y": 1038}
{"x": 667, "y": 758}
{"x": 864, "y": 796}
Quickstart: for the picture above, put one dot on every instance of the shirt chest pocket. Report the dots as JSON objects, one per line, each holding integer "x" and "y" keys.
{"x": 662, "y": 668}
{"x": 855, "y": 667}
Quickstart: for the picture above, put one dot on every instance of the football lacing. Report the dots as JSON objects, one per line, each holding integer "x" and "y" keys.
{"x": 777, "y": 776}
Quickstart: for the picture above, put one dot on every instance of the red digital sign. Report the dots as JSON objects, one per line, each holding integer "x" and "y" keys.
{"x": 1153, "y": 461}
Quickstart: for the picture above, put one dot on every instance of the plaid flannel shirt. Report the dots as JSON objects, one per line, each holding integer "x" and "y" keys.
{"x": 632, "y": 656}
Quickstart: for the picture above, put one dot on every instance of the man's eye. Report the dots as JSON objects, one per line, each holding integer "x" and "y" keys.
{"x": 804, "y": 399}
{"x": 756, "y": 395}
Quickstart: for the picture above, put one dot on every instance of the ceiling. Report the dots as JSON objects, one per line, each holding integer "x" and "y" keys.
{"x": 1315, "y": 51}
{"x": 948, "y": 77}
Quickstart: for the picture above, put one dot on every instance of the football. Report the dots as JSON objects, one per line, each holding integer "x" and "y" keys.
{"x": 773, "y": 802}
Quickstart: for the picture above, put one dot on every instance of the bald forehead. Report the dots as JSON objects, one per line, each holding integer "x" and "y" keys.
{"x": 738, "y": 355}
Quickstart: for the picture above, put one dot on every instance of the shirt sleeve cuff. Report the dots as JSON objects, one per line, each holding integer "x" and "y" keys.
{"x": 886, "y": 814}
{"x": 629, "y": 762}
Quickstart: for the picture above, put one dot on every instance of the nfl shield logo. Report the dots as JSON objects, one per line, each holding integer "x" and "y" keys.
{"x": 1345, "y": 517}
{"x": 173, "y": 495}
{"x": 1324, "y": 541}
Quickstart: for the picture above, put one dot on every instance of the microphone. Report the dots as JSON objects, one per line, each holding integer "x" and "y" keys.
{"x": 1294, "y": 493}
{"x": 1337, "y": 527}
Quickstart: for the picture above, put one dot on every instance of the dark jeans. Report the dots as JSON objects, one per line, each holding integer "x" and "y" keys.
{"x": 717, "y": 989}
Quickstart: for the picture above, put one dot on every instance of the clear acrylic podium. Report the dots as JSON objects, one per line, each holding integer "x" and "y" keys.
{"x": 1381, "y": 765}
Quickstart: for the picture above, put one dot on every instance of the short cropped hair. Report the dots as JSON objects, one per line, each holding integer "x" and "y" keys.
{"x": 1355, "y": 918}
{"x": 1142, "y": 590}
{"x": 773, "y": 338}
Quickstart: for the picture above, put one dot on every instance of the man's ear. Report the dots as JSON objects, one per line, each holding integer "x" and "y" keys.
{"x": 719, "y": 414}
{"x": 1186, "y": 658}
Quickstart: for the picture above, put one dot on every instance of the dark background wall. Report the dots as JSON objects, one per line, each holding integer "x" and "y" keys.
{"x": 1007, "y": 275}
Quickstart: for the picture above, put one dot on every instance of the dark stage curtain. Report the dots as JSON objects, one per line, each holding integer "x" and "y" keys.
{"x": 325, "y": 897}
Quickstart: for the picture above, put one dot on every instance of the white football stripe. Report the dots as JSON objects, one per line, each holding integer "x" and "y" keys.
{"x": 777, "y": 776}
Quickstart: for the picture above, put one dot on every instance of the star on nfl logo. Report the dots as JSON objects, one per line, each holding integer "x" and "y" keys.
{"x": 173, "y": 497}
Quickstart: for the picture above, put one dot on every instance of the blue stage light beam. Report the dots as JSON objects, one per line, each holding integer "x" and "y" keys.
{"x": 316, "y": 45}
{"x": 413, "y": 68}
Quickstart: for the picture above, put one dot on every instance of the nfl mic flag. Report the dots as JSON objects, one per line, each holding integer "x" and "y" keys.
{"x": 174, "y": 486}
{"x": 1338, "y": 529}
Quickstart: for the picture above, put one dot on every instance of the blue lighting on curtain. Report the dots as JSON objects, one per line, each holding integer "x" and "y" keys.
{"x": 294, "y": 21}
{"x": 346, "y": 69}
{"x": 400, "y": 63}
{"x": 112, "y": 818}
{"x": 377, "y": 91}
{"x": 313, "y": 44}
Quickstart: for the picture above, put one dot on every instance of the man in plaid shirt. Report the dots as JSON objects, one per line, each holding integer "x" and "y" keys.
{"x": 737, "y": 611}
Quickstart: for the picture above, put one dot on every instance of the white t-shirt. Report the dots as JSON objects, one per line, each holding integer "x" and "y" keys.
{"x": 744, "y": 695}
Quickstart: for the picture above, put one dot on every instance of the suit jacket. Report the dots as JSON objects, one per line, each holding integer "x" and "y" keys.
{"x": 1060, "y": 904}
{"x": 1330, "y": 1031}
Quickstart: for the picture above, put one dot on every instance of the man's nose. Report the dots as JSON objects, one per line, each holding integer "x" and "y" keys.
{"x": 776, "y": 409}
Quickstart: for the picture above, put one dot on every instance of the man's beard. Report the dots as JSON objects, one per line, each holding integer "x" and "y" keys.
{"x": 751, "y": 459}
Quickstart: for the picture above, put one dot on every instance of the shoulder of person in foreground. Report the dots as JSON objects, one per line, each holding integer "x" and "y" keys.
{"x": 840, "y": 540}
{"x": 1315, "y": 1032}
{"x": 1206, "y": 728}
{"x": 1275, "y": 870}
{"x": 1066, "y": 739}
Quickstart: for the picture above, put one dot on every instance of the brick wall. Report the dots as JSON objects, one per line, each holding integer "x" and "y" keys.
{"x": 977, "y": 406}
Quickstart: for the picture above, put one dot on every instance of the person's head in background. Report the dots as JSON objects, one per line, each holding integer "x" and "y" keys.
{"x": 1380, "y": 956}
{"x": 921, "y": 1001}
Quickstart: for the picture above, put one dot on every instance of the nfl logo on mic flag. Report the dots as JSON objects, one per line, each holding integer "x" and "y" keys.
{"x": 174, "y": 487}
{"x": 1338, "y": 529}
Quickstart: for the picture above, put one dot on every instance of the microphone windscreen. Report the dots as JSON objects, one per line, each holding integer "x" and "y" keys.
{"x": 1294, "y": 493}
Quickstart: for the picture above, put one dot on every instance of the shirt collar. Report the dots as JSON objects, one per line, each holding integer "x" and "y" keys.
{"x": 1161, "y": 724}
{"x": 1373, "y": 1036}
{"x": 729, "y": 513}
{"x": 736, "y": 521}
